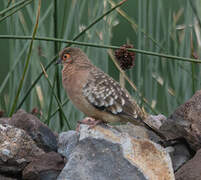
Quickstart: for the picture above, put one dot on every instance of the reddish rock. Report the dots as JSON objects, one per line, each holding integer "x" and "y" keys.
{"x": 179, "y": 153}
{"x": 190, "y": 170}
{"x": 185, "y": 122}
{"x": 39, "y": 132}
{"x": 46, "y": 166}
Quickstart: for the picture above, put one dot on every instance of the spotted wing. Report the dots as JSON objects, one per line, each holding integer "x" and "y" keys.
{"x": 106, "y": 94}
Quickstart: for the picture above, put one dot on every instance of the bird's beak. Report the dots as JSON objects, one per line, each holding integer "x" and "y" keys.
{"x": 59, "y": 61}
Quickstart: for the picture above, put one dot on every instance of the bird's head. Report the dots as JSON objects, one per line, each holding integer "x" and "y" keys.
{"x": 72, "y": 55}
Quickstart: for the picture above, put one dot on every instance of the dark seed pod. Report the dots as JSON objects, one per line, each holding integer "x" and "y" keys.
{"x": 124, "y": 57}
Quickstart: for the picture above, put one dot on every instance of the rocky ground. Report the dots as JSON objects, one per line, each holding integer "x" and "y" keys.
{"x": 30, "y": 150}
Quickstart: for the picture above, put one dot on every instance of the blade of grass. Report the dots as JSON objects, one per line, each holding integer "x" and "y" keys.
{"x": 192, "y": 3}
{"x": 56, "y": 49}
{"x": 17, "y": 9}
{"x": 34, "y": 83}
{"x": 11, "y": 7}
{"x": 12, "y": 69}
{"x": 193, "y": 64}
{"x": 9, "y": 2}
{"x": 59, "y": 103}
{"x": 64, "y": 15}
{"x": 99, "y": 18}
{"x": 51, "y": 102}
{"x": 193, "y": 78}
{"x": 63, "y": 104}
{"x": 27, "y": 61}
{"x": 135, "y": 26}
{"x": 172, "y": 57}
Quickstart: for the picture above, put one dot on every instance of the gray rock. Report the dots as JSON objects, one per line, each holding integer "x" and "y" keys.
{"x": 106, "y": 153}
{"x": 67, "y": 142}
{"x": 2, "y": 177}
{"x": 179, "y": 155}
{"x": 95, "y": 159}
{"x": 138, "y": 131}
{"x": 4, "y": 120}
{"x": 44, "y": 167}
{"x": 190, "y": 170}
{"x": 39, "y": 132}
{"x": 156, "y": 121}
{"x": 16, "y": 149}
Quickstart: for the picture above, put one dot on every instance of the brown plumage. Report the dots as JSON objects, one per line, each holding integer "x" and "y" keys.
{"x": 95, "y": 93}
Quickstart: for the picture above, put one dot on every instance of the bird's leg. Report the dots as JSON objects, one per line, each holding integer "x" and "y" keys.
{"x": 89, "y": 121}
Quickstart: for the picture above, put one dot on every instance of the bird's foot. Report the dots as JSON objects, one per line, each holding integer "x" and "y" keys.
{"x": 89, "y": 121}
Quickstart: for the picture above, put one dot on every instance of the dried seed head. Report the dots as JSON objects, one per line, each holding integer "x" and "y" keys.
{"x": 124, "y": 57}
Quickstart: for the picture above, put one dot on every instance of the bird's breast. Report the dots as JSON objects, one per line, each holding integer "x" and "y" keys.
{"x": 73, "y": 82}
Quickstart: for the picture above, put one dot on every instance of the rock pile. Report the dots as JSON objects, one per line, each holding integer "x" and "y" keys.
{"x": 30, "y": 150}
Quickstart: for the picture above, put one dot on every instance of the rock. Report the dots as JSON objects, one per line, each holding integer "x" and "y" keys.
{"x": 138, "y": 131}
{"x": 16, "y": 149}
{"x": 185, "y": 122}
{"x": 39, "y": 132}
{"x": 99, "y": 159}
{"x": 44, "y": 167}
{"x": 4, "y": 120}
{"x": 156, "y": 121}
{"x": 2, "y": 177}
{"x": 67, "y": 142}
{"x": 179, "y": 155}
{"x": 105, "y": 153}
{"x": 190, "y": 170}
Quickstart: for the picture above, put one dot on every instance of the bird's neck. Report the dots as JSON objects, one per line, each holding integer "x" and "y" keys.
{"x": 68, "y": 73}
{"x": 74, "y": 73}
{"x": 71, "y": 69}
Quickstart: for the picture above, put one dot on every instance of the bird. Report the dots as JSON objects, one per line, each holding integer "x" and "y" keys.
{"x": 95, "y": 93}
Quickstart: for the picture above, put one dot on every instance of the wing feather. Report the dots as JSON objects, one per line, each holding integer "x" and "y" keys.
{"x": 106, "y": 94}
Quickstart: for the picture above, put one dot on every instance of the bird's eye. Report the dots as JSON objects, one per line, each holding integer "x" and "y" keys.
{"x": 66, "y": 56}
